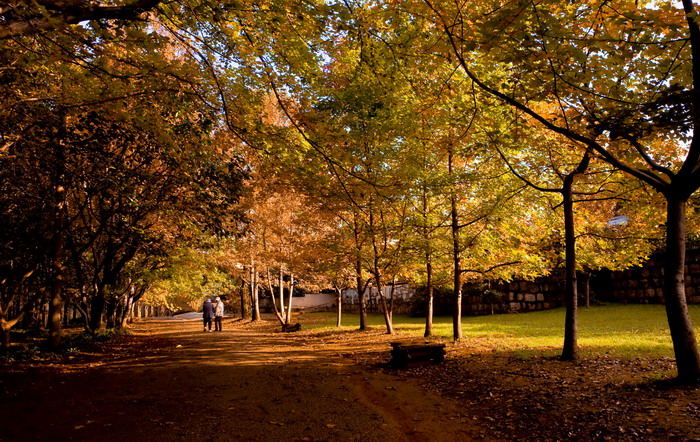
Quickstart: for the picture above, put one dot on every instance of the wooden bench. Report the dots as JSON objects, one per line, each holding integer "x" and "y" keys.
{"x": 291, "y": 328}
{"x": 405, "y": 355}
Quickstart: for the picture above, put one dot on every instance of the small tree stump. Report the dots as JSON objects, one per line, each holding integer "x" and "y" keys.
{"x": 403, "y": 355}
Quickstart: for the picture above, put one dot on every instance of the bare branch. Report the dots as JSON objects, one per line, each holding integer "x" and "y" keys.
{"x": 492, "y": 268}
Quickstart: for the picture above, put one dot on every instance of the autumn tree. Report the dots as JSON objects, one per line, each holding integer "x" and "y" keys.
{"x": 29, "y": 18}
{"x": 552, "y": 166}
{"x": 623, "y": 78}
{"x": 109, "y": 158}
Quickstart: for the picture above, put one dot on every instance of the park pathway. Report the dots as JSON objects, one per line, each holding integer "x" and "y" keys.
{"x": 245, "y": 383}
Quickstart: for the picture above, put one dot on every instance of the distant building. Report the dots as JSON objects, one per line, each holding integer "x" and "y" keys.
{"x": 309, "y": 302}
{"x": 403, "y": 292}
{"x": 315, "y": 302}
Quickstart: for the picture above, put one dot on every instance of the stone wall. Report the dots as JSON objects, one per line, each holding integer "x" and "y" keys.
{"x": 644, "y": 284}
{"x": 636, "y": 285}
{"x": 515, "y": 296}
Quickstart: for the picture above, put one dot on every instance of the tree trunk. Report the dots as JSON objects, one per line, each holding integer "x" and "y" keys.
{"x": 288, "y": 318}
{"x": 55, "y": 297}
{"x": 457, "y": 293}
{"x": 339, "y": 302}
{"x": 429, "y": 289}
{"x": 122, "y": 310}
{"x": 682, "y": 333}
{"x": 456, "y": 259}
{"x": 59, "y": 229}
{"x": 361, "y": 295}
{"x": 391, "y": 299}
{"x": 5, "y": 343}
{"x": 428, "y": 267}
{"x": 586, "y": 287}
{"x": 243, "y": 303}
{"x": 96, "y": 309}
{"x": 278, "y": 312}
{"x": 111, "y": 312}
{"x": 83, "y": 310}
{"x": 6, "y": 326}
{"x": 385, "y": 308}
{"x": 570, "y": 350}
{"x": 255, "y": 315}
{"x": 254, "y": 295}
{"x": 44, "y": 316}
{"x": 130, "y": 311}
{"x": 281, "y": 294}
{"x": 358, "y": 274}
{"x": 55, "y": 307}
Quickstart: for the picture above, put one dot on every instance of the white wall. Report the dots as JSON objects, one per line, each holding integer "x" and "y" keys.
{"x": 309, "y": 301}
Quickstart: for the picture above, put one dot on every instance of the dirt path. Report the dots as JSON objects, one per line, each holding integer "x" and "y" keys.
{"x": 171, "y": 381}
{"x": 245, "y": 383}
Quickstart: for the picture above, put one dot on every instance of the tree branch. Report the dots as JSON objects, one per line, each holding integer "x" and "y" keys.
{"x": 490, "y": 269}
{"x": 654, "y": 180}
{"x": 58, "y": 15}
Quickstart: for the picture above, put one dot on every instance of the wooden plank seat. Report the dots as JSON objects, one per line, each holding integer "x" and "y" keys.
{"x": 405, "y": 355}
{"x": 291, "y": 328}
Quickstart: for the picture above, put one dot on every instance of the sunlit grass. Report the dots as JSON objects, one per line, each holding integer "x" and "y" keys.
{"x": 617, "y": 330}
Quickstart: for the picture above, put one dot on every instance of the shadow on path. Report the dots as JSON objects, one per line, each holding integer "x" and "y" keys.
{"x": 245, "y": 383}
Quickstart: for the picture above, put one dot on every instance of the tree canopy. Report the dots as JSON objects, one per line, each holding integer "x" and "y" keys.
{"x": 156, "y": 145}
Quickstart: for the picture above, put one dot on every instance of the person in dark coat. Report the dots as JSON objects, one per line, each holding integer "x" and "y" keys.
{"x": 207, "y": 314}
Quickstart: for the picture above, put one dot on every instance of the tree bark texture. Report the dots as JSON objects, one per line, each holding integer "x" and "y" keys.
{"x": 281, "y": 295}
{"x": 339, "y": 302}
{"x": 358, "y": 274}
{"x": 254, "y": 297}
{"x": 288, "y": 317}
{"x": 570, "y": 349}
{"x": 430, "y": 302}
{"x": 456, "y": 259}
{"x": 244, "y": 312}
{"x": 377, "y": 273}
{"x": 278, "y": 311}
{"x": 5, "y": 342}
{"x": 586, "y": 287}
{"x": 96, "y": 309}
{"x": 428, "y": 268}
{"x": 682, "y": 333}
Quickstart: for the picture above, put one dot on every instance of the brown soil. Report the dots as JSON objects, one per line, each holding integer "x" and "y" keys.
{"x": 171, "y": 381}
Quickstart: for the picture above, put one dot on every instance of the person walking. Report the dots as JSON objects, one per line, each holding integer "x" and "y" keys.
{"x": 218, "y": 313}
{"x": 207, "y": 314}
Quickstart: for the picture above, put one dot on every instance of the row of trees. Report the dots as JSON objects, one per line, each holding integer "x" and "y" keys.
{"x": 537, "y": 86}
{"x": 421, "y": 141}
{"x": 414, "y": 171}
{"x": 108, "y": 162}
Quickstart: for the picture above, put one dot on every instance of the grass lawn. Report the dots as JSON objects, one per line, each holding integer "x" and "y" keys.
{"x": 618, "y": 330}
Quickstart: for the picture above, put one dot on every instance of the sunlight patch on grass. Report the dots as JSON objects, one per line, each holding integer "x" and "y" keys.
{"x": 626, "y": 331}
